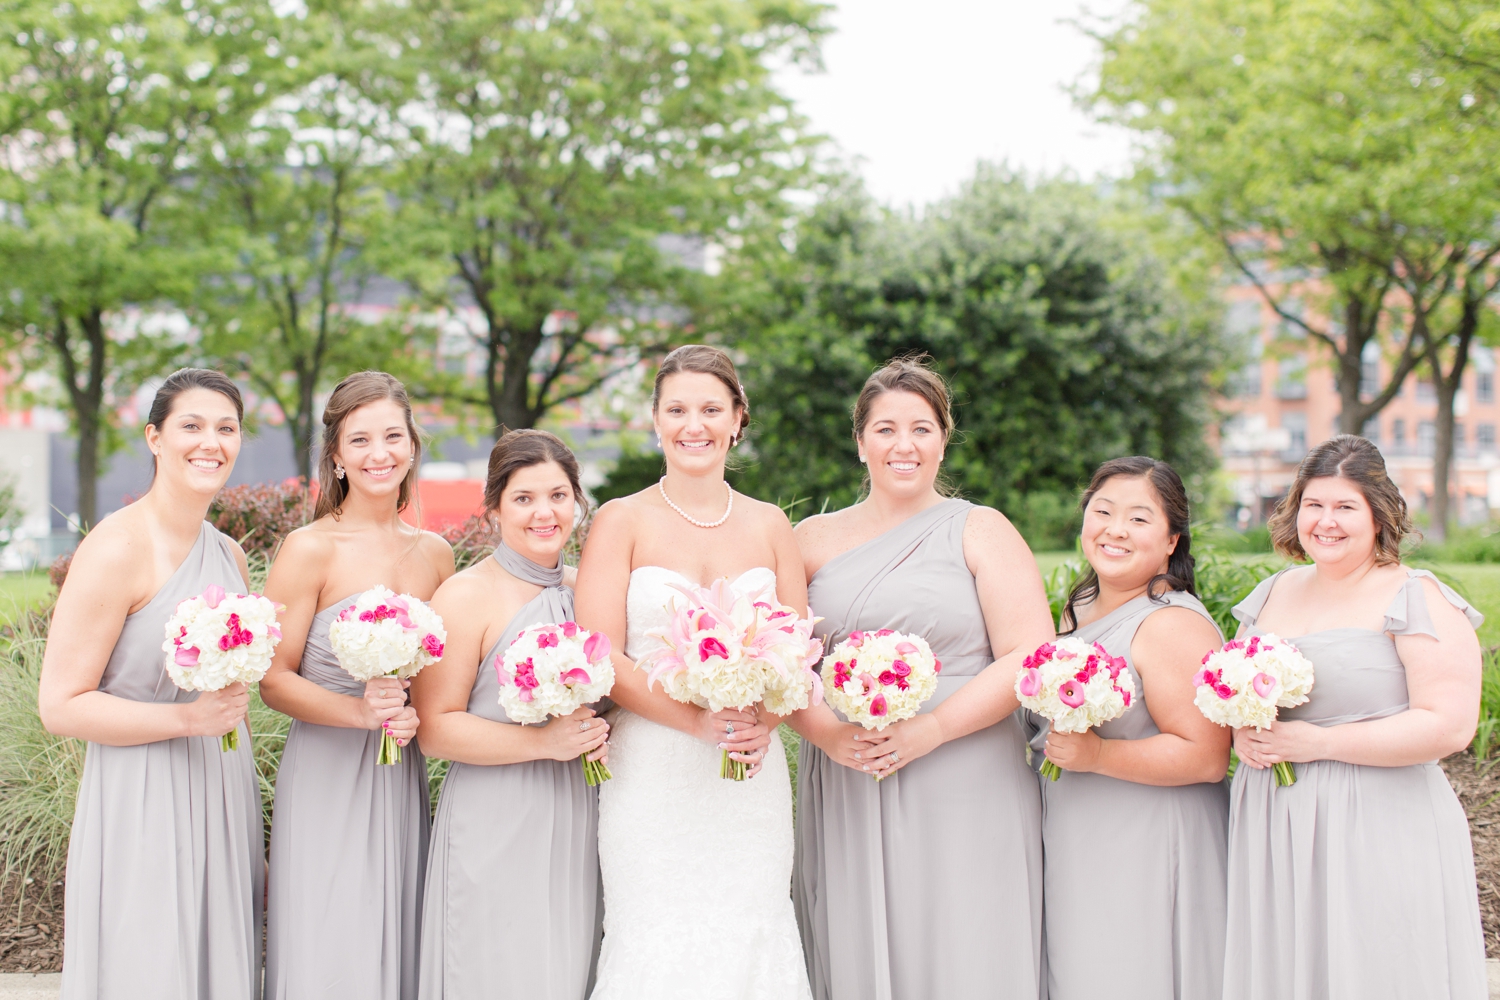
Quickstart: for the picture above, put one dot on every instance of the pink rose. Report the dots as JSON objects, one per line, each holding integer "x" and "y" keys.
{"x": 856, "y": 639}
{"x": 1224, "y": 691}
{"x": 888, "y": 677}
{"x": 570, "y": 629}
{"x": 1071, "y": 693}
{"x": 883, "y": 633}
{"x": 432, "y": 645}
{"x": 546, "y": 640}
{"x": 711, "y": 647}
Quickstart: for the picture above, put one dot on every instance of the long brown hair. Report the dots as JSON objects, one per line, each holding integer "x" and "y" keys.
{"x": 702, "y": 359}
{"x": 355, "y": 391}
{"x": 1356, "y": 459}
{"x": 1172, "y": 495}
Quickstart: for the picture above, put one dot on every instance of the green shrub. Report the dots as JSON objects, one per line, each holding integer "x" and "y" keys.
{"x": 1485, "y": 737}
{"x": 259, "y": 516}
{"x": 1464, "y": 545}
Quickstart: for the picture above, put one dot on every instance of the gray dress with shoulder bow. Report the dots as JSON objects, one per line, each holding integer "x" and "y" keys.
{"x": 348, "y": 853}
{"x": 166, "y": 865}
{"x": 1355, "y": 882}
{"x": 1158, "y": 888}
{"x": 512, "y": 910}
{"x": 929, "y": 883}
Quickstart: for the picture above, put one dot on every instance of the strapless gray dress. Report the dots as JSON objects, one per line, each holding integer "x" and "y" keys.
{"x": 1356, "y": 882}
{"x": 512, "y": 910}
{"x": 348, "y": 853}
{"x": 929, "y": 883}
{"x": 1157, "y": 894}
{"x": 166, "y": 865}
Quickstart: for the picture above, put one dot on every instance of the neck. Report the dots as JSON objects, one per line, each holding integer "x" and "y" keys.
{"x": 891, "y": 510}
{"x": 542, "y": 559}
{"x": 703, "y": 495}
{"x": 360, "y": 510}
{"x": 1344, "y": 574}
{"x": 1112, "y": 597}
{"x": 176, "y": 511}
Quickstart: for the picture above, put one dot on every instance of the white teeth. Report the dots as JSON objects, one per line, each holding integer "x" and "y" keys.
{"x": 694, "y": 444}
{"x": 204, "y": 463}
{"x": 1114, "y": 550}
{"x": 902, "y": 466}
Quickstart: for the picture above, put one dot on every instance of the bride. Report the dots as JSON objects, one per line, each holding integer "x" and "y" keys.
{"x": 697, "y": 869}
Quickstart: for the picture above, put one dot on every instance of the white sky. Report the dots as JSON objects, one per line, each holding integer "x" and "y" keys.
{"x": 917, "y": 91}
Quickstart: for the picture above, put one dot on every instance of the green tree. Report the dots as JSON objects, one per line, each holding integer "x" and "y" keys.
{"x": 286, "y": 209}
{"x": 100, "y": 113}
{"x": 559, "y": 141}
{"x": 1058, "y": 329}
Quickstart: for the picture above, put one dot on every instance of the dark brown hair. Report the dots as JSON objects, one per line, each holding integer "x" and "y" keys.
{"x": 180, "y": 382}
{"x": 361, "y": 389}
{"x": 517, "y": 450}
{"x": 1359, "y": 461}
{"x": 1170, "y": 493}
{"x": 910, "y": 374}
{"x": 704, "y": 360}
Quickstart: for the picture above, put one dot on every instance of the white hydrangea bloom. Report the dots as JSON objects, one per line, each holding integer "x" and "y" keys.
{"x": 1245, "y": 683}
{"x": 1075, "y": 685}
{"x": 383, "y": 634}
{"x": 218, "y": 639}
{"x": 552, "y": 670}
{"x": 877, "y": 678}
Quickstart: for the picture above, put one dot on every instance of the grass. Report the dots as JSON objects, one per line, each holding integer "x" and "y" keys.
{"x": 23, "y": 592}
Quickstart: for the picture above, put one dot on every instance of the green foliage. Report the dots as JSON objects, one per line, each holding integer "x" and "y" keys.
{"x": 39, "y": 772}
{"x": 260, "y": 516}
{"x": 1463, "y": 545}
{"x": 1064, "y": 339}
{"x": 1488, "y": 731}
{"x": 633, "y": 471}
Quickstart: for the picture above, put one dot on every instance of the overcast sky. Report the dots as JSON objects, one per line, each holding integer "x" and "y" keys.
{"x": 919, "y": 92}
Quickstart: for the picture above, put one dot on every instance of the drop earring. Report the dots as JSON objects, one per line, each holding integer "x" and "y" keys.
{"x": 338, "y": 471}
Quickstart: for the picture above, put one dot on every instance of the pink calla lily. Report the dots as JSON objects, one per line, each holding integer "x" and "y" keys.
{"x": 213, "y": 595}
{"x": 186, "y": 656}
{"x": 1071, "y": 693}
{"x": 577, "y": 675}
{"x": 596, "y": 647}
{"x": 1264, "y": 684}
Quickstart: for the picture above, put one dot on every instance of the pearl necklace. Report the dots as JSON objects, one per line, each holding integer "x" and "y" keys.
{"x": 661, "y": 485}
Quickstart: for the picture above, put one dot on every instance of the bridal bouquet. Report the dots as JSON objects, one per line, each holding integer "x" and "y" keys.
{"x": 383, "y": 634}
{"x": 219, "y": 639}
{"x": 724, "y": 650}
{"x": 1075, "y": 685}
{"x": 1244, "y": 684}
{"x": 554, "y": 670}
{"x": 877, "y": 678}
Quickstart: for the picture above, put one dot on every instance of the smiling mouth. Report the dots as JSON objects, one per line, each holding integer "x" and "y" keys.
{"x": 1328, "y": 539}
{"x": 206, "y": 464}
{"x": 695, "y": 445}
{"x": 901, "y": 466}
{"x": 546, "y": 531}
{"x": 379, "y": 473}
{"x": 1113, "y": 550}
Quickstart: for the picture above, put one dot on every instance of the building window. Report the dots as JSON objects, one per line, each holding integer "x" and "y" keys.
{"x": 1426, "y": 391}
{"x": 1369, "y": 372}
{"x": 1295, "y": 425}
{"x": 1398, "y": 432}
{"x": 1291, "y": 378}
{"x": 1458, "y": 435}
{"x": 1485, "y": 437}
{"x": 1426, "y": 438}
{"x": 1484, "y": 387}
{"x": 1371, "y": 430}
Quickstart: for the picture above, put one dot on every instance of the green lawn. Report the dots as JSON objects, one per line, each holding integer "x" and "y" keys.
{"x": 22, "y": 591}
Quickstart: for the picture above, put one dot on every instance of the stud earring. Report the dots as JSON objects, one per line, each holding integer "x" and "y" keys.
{"x": 338, "y": 471}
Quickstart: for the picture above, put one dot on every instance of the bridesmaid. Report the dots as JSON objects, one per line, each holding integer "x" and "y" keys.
{"x": 166, "y": 864}
{"x": 1358, "y": 880}
{"x": 513, "y": 877}
{"x": 1151, "y": 780}
{"x": 348, "y": 835}
{"x": 927, "y": 884}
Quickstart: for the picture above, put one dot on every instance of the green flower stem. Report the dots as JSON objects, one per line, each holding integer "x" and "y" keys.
{"x": 230, "y": 741}
{"x": 1285, "y": 775}
{"x": 1050, "y": 769}
{"x": 594, "y": 771}
{"x": 390, "y": 750}
{"x": 734, "y": 770}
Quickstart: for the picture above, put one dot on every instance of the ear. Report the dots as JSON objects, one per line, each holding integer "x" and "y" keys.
{"x": 153, "y": 439}
{"x": 1172, "y": 544}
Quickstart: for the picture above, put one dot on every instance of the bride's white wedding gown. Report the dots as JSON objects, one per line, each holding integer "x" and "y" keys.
{"x": 697, "y": 869}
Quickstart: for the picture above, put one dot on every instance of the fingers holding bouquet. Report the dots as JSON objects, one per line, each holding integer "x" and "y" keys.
{"x": 1074, "y": 751}
{"x": 402, "y": 726}
{"x": 214, "y": 713}
{"x": 580, "y": 733}
{"x": 903, "y": 743}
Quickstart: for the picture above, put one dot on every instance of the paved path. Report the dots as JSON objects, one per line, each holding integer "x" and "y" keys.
{"x": 24, "y": 986}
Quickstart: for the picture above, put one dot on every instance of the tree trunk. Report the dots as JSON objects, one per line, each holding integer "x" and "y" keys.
{"x": 302, "y": 426}
{"x": 509, "y": 395}
{"x": 1442, "y": 454}
{"x": 88, "y": 469}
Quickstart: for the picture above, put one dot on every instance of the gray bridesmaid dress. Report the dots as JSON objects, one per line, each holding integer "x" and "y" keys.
{"x": 1356, "y": 882}
{"x": 166, "y": 864}
{"x": 348, "y": 853}
{"x": 929, "y": 883}
{"x": 1158, "y": 897}
{"x": 512, "y": 910}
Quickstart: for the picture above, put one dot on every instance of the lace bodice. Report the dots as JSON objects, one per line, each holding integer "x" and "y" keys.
{"x": 650, "y": 596}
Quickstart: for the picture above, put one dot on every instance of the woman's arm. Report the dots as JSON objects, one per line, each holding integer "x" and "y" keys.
{"x": 1442, "y": 684}
{"x": 113, "y": 571}
{"x": 1167, "y": 650}
{"x": 603, "y": 580}
{"x": 476, "y": 612}
{"x": 296, "y": 581}
{"x": 1018, "y": 620}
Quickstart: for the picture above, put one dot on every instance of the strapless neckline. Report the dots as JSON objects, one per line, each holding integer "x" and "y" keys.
{"x": 733, "y": 582}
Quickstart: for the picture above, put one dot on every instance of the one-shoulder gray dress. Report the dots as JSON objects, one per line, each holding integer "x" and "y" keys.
{"x": 929, "y": 883}
{"x": 1356, "y": 881}
{"x": 166, "y": 865}
{"x": 348, "y": 853}
{"x": 1158, "y": 887}
{"x": 512, "y": 909}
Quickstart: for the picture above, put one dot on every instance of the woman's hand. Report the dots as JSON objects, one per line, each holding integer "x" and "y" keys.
{"x": 1075, "y": 751}
{"x": 214, "y": 713}
{"x": 385, "y": 698}
{"x": 742, "y": 733}
{"x": 850, "y": 745}
{"x": 1296, "y": 742}
{"x": 567, "y": 737}
{"x": 904, "y": 742}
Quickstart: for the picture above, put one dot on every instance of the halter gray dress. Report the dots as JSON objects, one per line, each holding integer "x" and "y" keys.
{"x": 1159, "y": 892}
{"x": 166, "y": 864}
{"x": 512, "y": 910}
{"x": 1357, "y": 881}
{"x": 348, "y": 853}
{"x": 929, "y": 883}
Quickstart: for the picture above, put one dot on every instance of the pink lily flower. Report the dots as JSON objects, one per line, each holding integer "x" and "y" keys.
{"x": 1071, "y": 693}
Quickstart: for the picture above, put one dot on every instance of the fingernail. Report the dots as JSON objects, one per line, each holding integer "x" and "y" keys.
{"x": 723, "y": 746}
{"x": 867, "y": 767}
